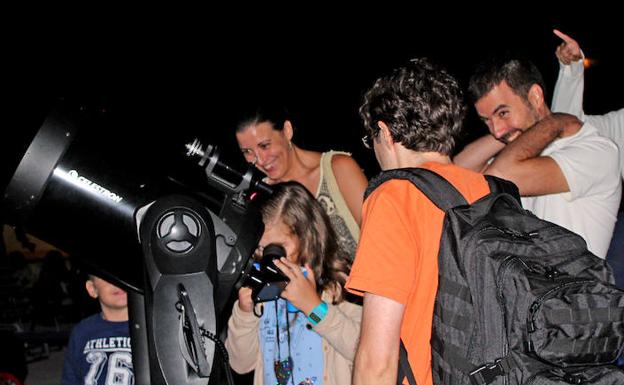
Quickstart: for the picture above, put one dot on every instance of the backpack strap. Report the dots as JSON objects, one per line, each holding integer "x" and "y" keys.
{"x": 499, "y": 186}
{"x": 437, "y": 189}
{"x": 478, "y": 375}
{"x": 405, "y": 370}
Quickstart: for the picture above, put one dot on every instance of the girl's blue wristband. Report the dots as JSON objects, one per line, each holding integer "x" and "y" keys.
{"x": 318, "y": 313}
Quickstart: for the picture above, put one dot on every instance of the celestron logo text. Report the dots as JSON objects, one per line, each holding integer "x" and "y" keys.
{"x": 95, "y": 187}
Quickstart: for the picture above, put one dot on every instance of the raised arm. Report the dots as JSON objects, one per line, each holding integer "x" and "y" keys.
{"x": 569, "y": 51}
{"x": 521, "y": 163}
{"x": 242, "y": 342}
{"x": 568, "y": 93}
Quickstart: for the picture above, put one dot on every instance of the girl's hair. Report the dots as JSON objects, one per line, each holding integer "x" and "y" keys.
{"x": 292, "y": 204}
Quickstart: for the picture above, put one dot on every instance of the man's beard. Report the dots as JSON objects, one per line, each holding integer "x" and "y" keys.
{"x": 510, "y": 136}
{"x": 515, "y": 133}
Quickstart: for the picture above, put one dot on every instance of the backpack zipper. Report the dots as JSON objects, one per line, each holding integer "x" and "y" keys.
{"x": 535, "y": 306}
{"x": 504, "y": 267}
{"x": 513, "y": 233}
{"x": 507, "y": 261}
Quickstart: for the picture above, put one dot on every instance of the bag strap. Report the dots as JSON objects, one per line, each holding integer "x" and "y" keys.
{"x": 437, "y": 189}
{"x": 405, "y": 370}
{"x": 440, "y": 191}
{"x": 499, "y": 186}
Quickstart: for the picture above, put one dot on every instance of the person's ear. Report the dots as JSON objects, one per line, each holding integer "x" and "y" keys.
{"x": 91, "y": 289}
{"x": 288, "y": 130}
{"x": 536, "y": 96}
{"x": 384, "y": 132}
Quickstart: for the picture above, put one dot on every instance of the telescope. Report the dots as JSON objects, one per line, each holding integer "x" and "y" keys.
{"x": 180, "y": 253}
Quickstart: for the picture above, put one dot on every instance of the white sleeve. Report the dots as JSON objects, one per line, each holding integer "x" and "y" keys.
{"x": 610, "y": 125}
{"x": 568, "y": 93}
{"x": 590, "y": 165}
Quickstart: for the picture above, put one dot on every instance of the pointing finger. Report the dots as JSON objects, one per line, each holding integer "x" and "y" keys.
{"x": 567, "y": 39}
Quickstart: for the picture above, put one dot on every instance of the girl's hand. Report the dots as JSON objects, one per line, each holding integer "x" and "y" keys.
{"x": 245, "y": 303}
{"x": 301, "y": 290}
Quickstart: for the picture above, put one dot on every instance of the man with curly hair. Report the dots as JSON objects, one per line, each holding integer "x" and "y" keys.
{"x": 412, "y": 116}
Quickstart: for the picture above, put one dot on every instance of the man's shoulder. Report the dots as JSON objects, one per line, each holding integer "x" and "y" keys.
{"x": 454, "y": 173}
{"x": 391, "y": 198}
{"x": 589, "y": 131}
{"x": 588, "y": 137}
{"x": 393, "y": 188}
{"x": 461, "y": 178}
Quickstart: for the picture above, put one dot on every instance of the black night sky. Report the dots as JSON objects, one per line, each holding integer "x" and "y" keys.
{"x": 157, "y": 77}
{"x": 163, "y": 80}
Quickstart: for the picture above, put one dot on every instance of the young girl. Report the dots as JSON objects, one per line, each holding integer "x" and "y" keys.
{"x": 314, "y": 344}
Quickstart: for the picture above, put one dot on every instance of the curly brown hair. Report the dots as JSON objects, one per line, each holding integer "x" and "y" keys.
{"x": 422, "y": 105}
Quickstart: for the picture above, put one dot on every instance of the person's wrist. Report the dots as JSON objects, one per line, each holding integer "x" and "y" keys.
{"x": 317, "y": 314}
{"x": 244, "y": 308}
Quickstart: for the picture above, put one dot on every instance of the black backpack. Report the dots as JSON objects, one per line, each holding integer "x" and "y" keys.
{"x": 520, "y": 300}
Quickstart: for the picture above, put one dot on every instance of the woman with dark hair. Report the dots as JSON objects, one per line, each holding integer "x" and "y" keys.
{"x": 265, "y": 134}
{"x": 313, "y": 340}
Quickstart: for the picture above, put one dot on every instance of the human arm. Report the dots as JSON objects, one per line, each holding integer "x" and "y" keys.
{"x": 389, "y": 264}
{"x": 377, "y": 356}
{"x": 475, "y": 155}
{"x": 341, "y": 327}
{"x": 610, "y": 125}
{"x": 521, "y": 163}
{"x": 568, "y": 92}
{"x": 301, "y": 289}
{"x": 242, "y": 341}
{"x": 351, "y": 182}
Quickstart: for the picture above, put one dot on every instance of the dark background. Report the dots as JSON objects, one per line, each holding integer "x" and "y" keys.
{"x": 162, "y": 79}
{"x": 159, "y": 76}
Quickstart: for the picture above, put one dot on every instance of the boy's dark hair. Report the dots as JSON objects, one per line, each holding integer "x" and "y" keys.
{"x": 421, "y": 103}
{"x": 519, "y": 73}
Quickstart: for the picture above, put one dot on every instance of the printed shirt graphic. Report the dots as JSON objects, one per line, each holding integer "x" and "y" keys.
{"x": 98, "y": 353}
{"x": 305, "y": 347}
{"x": 335, "y": 206}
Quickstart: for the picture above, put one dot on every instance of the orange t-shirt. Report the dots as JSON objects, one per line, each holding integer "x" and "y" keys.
{"x": 397, "y": 255}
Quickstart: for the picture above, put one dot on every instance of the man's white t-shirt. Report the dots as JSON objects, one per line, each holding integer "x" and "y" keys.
{"x": 591, "y": 166}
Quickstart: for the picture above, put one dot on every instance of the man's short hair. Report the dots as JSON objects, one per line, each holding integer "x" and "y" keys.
{"x": 519, "y": 73}
{"x": 422, "y": 105}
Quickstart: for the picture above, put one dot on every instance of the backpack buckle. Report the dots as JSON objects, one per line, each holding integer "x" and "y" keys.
{"x": 487, "y": 373}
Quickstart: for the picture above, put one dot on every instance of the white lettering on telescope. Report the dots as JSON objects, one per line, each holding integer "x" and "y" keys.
{"x": 95, "y": 187}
